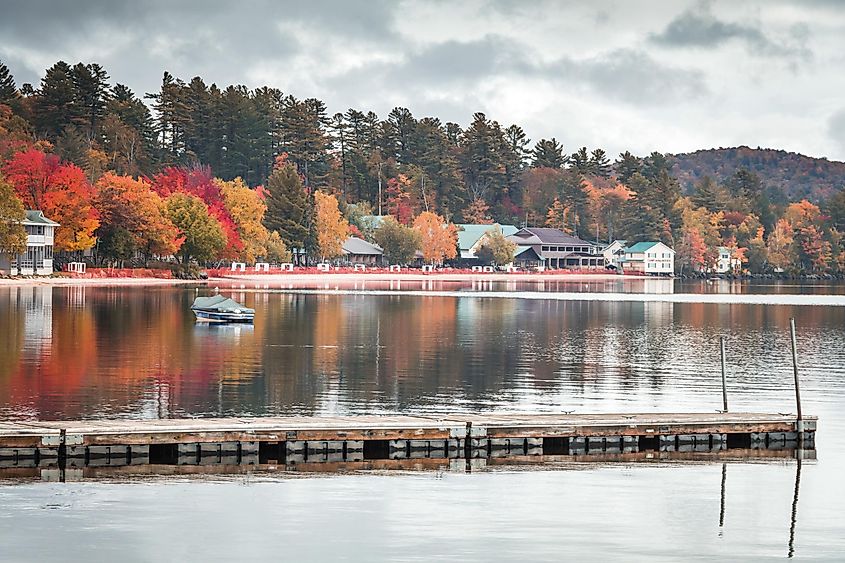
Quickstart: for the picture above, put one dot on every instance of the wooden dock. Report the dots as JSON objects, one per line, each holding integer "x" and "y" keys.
{"x": 374, "y": 441}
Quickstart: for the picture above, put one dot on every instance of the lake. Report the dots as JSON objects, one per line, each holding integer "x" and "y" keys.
{"x": 430, "y": 347}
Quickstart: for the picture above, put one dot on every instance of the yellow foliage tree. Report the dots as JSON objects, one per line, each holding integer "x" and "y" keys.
{"x": 332, "y": 228}
{"x": 247, "y": 209}
{"x": 438, "y": 239}
{"x": 780, "y": 246}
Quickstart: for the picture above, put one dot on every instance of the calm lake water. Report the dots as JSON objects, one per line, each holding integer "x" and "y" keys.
{"x": 106, "y": 352}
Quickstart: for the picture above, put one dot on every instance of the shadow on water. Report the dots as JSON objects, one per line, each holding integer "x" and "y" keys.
{"x": 794, "y": 518}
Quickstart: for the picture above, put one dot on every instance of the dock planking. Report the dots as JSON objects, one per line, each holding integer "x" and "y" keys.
{"x": 338, "y": 439}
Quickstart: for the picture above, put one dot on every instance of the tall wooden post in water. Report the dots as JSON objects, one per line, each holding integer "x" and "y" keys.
{"x": 724, "y": 376}
{"x": 799, "y": 426}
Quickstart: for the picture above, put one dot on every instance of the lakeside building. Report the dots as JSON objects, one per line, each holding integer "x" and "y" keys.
{"x": 725, "y": 263}
{"x": 649, "y": 258}
{"x": 471, "y": 237}
{"x": 614, "y": 253}
{"x": 359, "y": 251}
{"x": 557, "y": 250}
{"x": 38, "y": 258}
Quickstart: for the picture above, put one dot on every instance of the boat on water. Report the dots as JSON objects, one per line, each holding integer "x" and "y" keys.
{"x": 221, "y": 309}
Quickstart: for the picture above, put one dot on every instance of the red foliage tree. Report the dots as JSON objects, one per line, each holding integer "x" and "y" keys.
{"x": 199, "y": 182}
{"x": 61, "y": 191}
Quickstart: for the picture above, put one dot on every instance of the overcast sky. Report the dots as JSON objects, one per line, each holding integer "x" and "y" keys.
{"x": 671, "y": 76}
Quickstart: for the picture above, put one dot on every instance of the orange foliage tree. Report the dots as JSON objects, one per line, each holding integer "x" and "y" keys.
{"x": 332, "y": 228}
{"x": 692, "y": 252}
{"x": 478, "y": 212}
{"x": 130, "y": 205}
{"x": 559, "y": 217}
{"x": 438, "y": 239}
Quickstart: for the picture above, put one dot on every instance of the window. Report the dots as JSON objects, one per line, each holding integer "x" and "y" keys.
{"x": 545, "y": 249}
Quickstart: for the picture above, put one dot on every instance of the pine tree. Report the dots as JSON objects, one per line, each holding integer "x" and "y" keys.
{"x": 54, "y": 102}
{"x": 288, "y": 207}
{"x": 626, "y": 166}
{"x": 8, "y": 90}
{"x": 599, "y": 164}
{"x": 90, "y": 95}
{"x": 708, "y": 194}
{"x": 580, "y": 161}
{"x": 548, "y": 153}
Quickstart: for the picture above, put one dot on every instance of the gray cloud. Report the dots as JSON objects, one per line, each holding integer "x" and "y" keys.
{"x": 698, "y": 27}
{"x": 633, "y": 77}
{"x": 836, "y": 128}
{"x": 215, "y": 39}
{"x": 623, "y": 75}
{"x": 610, "y": 74}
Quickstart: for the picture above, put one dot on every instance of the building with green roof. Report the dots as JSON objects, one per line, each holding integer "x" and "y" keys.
{"x": 652, "y": 257}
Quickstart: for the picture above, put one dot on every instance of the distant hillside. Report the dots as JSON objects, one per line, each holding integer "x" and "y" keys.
{"x": 797, "y": 175}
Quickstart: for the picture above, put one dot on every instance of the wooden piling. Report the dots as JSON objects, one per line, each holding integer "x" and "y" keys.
{"x": 800, "y": 424}
{"x": 724, "y": 376}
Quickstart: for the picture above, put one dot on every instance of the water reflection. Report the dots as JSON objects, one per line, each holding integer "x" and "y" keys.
{"x": 76, "y": 352}
{"x": 794, "y": 516}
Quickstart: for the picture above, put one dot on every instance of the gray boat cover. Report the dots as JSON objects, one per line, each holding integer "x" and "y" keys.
{"x": 220, "y": 303}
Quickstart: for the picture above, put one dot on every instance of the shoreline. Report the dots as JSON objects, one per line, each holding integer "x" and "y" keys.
{"x": 69, "y": 282}
{"x": 330, "y": 277}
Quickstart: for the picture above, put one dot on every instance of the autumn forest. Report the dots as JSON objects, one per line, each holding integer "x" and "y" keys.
{"x": 206, "y": 173}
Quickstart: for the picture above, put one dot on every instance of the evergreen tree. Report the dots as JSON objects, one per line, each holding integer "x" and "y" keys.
{"x": 481, "y": 151}
{"x": 8, "y": 90}
{"x": 90, "y": 95}
{"x": 626, "y": 166}
{"x": 55, "y": 106}
{"x": 654, "y": 164}
{"x": 708, "y": 194}
{"x": 288, "y": 207}
{"x": 599, "y": 164}
{"x": 580, "y": 161}
{"x": 170, "y": 109}
{"x": 548, "y": 153}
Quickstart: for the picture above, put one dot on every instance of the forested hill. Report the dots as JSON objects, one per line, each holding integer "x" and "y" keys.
{"x": 797, "y": 175}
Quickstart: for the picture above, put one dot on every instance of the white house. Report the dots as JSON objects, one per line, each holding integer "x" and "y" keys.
{"x": 725, "y": 263}
{"x": 614, "y": 252}
{"x": 649, "y": 258}
{"x": 38, "y": 258}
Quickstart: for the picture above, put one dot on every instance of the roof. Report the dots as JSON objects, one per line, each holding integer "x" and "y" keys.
{"x": 470, "y": 234}
{"x": 526, "y": 253}
{"x": 37, "y": 217}
{"x": 640, "y": 247}
{"x": 355, "y": 245}
{"x": 547, "y": 235}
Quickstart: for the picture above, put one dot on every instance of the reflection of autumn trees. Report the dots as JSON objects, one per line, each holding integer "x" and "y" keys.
{"x": 90, "y": 352}
{"x": 11, "y": 335}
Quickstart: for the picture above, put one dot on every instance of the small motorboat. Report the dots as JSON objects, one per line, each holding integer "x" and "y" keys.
{"x": 221, "y": 309}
